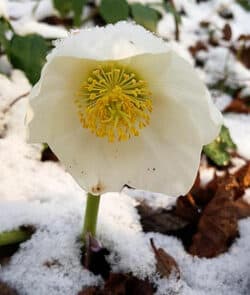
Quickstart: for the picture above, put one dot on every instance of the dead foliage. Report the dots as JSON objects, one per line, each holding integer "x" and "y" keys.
{"x": 198, "y": 46}
{"x": 227, "y": 32}
{"x": 218, "y": 224}
{"x": 121, "y": 284}
{"x": 6, "y": 290}
{"x": 165, "y": 263}
{"x": 93, "y": 257}
{"x": 238, "y": 106}
{"x": 206, "y": 219}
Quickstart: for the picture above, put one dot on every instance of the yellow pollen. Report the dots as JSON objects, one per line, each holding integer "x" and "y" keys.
{"x": 114, "y": 102}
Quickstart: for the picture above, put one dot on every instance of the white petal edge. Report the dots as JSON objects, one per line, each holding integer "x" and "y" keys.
{"x": 121, "y": 40}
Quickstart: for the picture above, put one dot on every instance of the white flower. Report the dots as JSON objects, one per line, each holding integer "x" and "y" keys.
{"x": 117, "y": 106}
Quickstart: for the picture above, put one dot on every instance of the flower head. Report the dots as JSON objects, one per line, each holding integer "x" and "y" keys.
{"x": 118, "y": 106}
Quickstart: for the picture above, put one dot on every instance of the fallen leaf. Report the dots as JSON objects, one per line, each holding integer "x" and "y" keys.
{"x": 52, "y": 263}
{"x": 243, "y": 176}
{"x": 121, "y": 284}
{"x": 218, "y": 225}
{"x": 243, "y": 54}
{"x": 242, "y": 209}
{"x": 166, "y": 264}
{"x": 6, "y": 290}
{"x": 159, "y": 220}
{"x": 237, "y": 106}
{"x": 227, "y": 32}
{"x": 94, "y": 257}
{"x": 126, "y": 284}
{"x": 198, "y": 46}
{"x": 187, "y": 208}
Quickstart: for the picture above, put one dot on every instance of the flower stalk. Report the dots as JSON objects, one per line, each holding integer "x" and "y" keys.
{"x": 91, "y": 214}
{"x": 14, "y": 236}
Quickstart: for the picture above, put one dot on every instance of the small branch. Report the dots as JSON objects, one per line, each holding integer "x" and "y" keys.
{"x": 14, "y": 101}
{"x": 177, "y": 29}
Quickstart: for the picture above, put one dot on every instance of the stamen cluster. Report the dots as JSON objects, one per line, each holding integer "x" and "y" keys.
{"x": 114, "y": 102}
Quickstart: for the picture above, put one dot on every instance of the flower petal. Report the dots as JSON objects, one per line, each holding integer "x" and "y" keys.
{"x": 147, "y": 162}
{"x": 171, "y": 76}
{"x": 52, "y": 99}
{"x": 111, "y": 42}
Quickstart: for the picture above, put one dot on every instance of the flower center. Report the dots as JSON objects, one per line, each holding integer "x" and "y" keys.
{"x": 114, "y": 102}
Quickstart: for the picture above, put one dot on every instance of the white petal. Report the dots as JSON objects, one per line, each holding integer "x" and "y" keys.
{"x": 172, "y": 76}
{"x": 184, "y": 85}
{"x": 116, "y": 41}
{"x": 52, "y": 99}
{"x": 148, "y": 162}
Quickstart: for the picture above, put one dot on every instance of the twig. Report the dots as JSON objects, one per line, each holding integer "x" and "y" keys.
{"x": 177, "y": 30}
{"x": 14, "y": 101}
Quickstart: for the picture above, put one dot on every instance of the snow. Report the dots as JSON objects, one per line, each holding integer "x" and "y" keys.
{"x": 44, "y": 195}
{"x": 239, "y": 126}
{"x": 3, "y": 9}
{"x": 24, "y": 27}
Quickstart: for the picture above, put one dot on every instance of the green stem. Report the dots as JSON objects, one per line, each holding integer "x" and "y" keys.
{"x": 14, "y": 236}
{"x": 91, "y": 213}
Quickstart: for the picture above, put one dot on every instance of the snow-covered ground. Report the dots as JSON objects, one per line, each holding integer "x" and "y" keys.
{"x": 44, "y": 195}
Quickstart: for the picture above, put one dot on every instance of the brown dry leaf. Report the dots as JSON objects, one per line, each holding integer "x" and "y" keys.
{"x": 244, "y": 37}
{"x": 238, "y": 106}
{"x": 159, "y": 220}
{"x": 242, "y": 208}
{"x": 94, "y": 257}
{"x": 187, "y": 208}
{"x": 199, "y": 45}
{"x": 126, "y": 284}
{"x": 203, "y": 195}
{"x": 243, "y": 176}
{"x": 6, "y": 290}
{"x": 245, "y": 56}
{"x": 121, "y": 284}
{"x": 227, "y": 32}
{"x": 166, "y": 264}
{"x": 91, "y": 291}
{"x": 218, "y": 225}
{"x": 52, "y": 263}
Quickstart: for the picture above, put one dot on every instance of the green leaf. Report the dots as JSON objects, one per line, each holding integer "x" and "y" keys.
{"x": 28, "y": 54}
{"x": 244, "y": 3}
{"x": 113, "y": 11}
{"x": 218, "y": 151}
{"x": 226, "y": 138}
{"x": 77, "y": 7}
{"x": 5, "y": 27}
{"x": 63, "y": 6}
{"x": 145, "y": 16}
{"x": 215, "y": 152}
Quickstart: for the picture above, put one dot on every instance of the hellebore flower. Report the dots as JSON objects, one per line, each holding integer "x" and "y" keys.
{"x": 117, "y": 105}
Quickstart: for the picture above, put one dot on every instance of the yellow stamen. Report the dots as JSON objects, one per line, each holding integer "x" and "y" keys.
{"x": 114, "y": 102}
